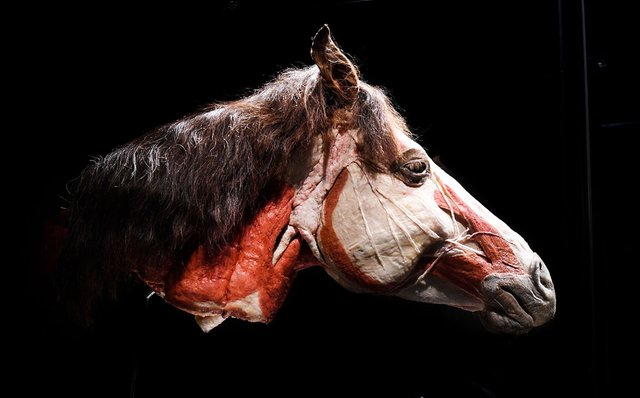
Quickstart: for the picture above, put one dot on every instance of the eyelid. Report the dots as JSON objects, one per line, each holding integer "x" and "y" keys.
{"x": 412, "y": 154}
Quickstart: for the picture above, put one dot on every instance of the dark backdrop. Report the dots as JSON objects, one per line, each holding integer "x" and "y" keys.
{"x": 496, "y": 91}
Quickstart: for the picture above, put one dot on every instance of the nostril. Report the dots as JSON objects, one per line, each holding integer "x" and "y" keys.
{"x": 539, "y": 272}
{"x": 542, "y": 283}
{"x": 546, "y": 282}
{"x": 543, "y": 276}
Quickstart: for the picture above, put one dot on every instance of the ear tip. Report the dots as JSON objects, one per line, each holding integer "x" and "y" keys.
{"x": 321, "y": 36}
{"x": 324, "y": 30}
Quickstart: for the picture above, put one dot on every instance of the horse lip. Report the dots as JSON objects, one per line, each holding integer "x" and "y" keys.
{"x": 504, "y": 314}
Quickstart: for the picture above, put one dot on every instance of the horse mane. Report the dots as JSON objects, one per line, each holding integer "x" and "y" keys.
{"x": 196, "y": 181}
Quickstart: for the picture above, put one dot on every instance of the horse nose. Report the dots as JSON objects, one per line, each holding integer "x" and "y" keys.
{"x": 542, "y": 283}
{"x": 516, "y": 302}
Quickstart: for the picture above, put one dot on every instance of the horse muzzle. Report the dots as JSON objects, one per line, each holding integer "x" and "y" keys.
{"x": 515, "y": 303}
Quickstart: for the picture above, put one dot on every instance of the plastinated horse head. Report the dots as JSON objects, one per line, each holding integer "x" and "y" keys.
{"x": 218, "y": 211}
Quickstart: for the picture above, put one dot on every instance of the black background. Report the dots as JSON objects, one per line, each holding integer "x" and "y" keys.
{"x": 497, "y": 91}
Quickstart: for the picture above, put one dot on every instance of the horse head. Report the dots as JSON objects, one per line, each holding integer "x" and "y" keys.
{"x": 220, "y": 210}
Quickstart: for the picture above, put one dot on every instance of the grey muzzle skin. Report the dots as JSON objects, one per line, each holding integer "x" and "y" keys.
{"x": 516, "y": 303}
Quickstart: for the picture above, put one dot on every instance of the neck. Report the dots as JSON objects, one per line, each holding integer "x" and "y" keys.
{"x": 248, "y": 278}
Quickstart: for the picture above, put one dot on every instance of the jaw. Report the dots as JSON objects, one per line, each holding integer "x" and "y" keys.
{"x": 506, "y": 303}
{"x": 432, "y": 290}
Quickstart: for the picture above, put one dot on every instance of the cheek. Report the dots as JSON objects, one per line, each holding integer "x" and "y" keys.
{"x": 374, "y": 231}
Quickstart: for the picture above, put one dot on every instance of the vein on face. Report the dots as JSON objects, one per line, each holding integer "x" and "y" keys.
{"x": 364, "y": 220}
{"x": 426, "y": 230}
{"x": 390, "y": 218}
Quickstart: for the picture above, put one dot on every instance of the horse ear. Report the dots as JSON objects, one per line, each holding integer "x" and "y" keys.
{"x": 339, "y": 75}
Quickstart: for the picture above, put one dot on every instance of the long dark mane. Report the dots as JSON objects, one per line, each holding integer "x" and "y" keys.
{"x": 196, "y": 181}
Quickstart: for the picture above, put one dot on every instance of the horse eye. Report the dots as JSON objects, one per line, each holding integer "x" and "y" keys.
{"x": 417, "y": 167}
{"x": 414, "y": 172}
